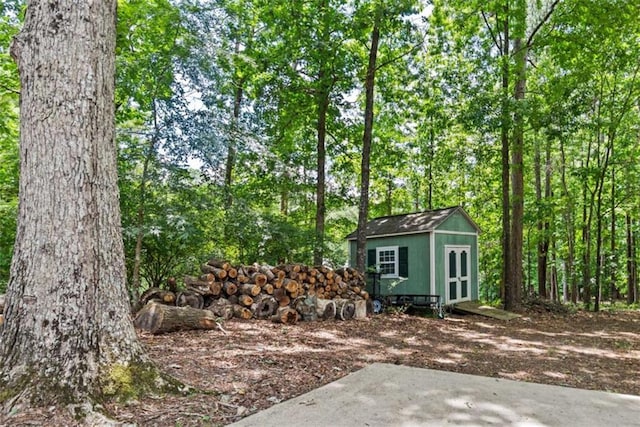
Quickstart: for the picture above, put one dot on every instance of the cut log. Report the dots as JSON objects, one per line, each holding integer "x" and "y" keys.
{"x": 229, "y": 288}
{"x": 219, "y": 264}
{"x": 266, "y": 270}
{"x": 285, "y": 315}
{"x": 232, "y": 273}
{"x": 215, "y": 288}
{"x": 251, "y": 289}
{"x": 189, "y": 299}
{"x": 361, "y": 309}
{"x": 159, "y": 295}
{"x": 306, "y": 307}
{"x": 284, "y": 301}
{"x": 345, "y": 309}
{"x": 221, "y": 308}
{"x": 326, "y": 308}
{"x": 241, "y": 312}
{"x": 198, "y": 286}
{"x": 259, "y": 279}
{"x": 264, "y": 306}
{"x": 278, "y": 293}
{"x": 160, "y": 318}
{"x": 268, "y": 288}
{"x": 209, "y": 277}
{"x": 241, "y": 278}
{"x": 245, "y": 300}
{"x": 290, "y": 285}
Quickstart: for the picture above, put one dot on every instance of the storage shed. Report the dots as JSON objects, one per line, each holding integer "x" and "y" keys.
{"x": 432, "y": 252}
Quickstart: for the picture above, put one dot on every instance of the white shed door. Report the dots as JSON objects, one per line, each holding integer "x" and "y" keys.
{"x": 457, "y": 273}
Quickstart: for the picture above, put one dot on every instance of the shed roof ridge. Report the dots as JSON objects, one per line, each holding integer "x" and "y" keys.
{"x": 416, "y": 212}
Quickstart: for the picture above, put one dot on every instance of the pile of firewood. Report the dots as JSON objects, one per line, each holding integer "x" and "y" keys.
{"x": 286, "y": 293}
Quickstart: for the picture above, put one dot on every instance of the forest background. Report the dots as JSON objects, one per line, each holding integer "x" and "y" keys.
{"x": 242, "y": 134}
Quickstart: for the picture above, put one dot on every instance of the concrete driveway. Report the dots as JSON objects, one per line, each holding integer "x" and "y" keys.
{"x": 391, "y": 395}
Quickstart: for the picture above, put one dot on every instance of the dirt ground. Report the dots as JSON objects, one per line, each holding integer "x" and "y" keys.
{"x": 254, "y": 364}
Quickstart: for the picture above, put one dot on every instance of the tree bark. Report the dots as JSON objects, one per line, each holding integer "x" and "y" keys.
{"x": 67, "y": 316}
{"x": 323, "y": 92}
{"x": 363, "y": 211}
{"x": 505, "y": 125}
{"x": 513, "y": 286}
{"x": 632, "y": 286}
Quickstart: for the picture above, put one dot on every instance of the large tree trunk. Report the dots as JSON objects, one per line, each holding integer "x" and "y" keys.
{"x": 68, "y": 336}
{"x": 363, "y": 211}
{"x": 513, "y": 290}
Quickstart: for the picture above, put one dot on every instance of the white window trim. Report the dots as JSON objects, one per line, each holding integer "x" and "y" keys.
{"x": 396, "y": 263}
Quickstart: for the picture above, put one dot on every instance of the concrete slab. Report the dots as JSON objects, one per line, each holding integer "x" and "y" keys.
{"x": 391, "y": 395}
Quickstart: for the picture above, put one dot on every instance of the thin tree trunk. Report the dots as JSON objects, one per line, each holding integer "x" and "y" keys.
{"x": 67, "y": 314}
{"x": 432, "y": 141}
{"x": 542, "y": 225}
{"x": 613, "y": 290}
{"x": 363, "y": 211}
{"x": 140, "y": 216}
{"x": 318, "y": 249}
{"x": 505, "y": 126}
{"x": 234, "y": 134}
{"x": 322, "y": 105}
{"x": 631, "y": 262}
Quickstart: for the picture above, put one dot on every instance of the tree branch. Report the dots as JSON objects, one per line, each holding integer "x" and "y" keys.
{"x": 10, "y": 90}
{"x": 541, "y": 23}
{"x": 493, "y": 36}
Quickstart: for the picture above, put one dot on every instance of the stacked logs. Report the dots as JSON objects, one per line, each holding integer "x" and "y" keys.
{"x": 285, "y": 293}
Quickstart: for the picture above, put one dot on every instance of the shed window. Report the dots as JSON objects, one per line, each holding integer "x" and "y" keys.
{"x": 387, "y": 257}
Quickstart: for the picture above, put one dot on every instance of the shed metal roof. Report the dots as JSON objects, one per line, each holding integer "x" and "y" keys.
{"x": 411, "y": 223}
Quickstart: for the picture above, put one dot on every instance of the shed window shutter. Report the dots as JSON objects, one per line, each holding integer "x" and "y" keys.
{"x": 403, "y": 261}
{"x": 371, "y": 257}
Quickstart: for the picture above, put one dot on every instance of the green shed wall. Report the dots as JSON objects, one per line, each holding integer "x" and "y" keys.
{"x": 442, "y": 239}
{"x": 457, "y": 222}
{"x": 419, "y": 268}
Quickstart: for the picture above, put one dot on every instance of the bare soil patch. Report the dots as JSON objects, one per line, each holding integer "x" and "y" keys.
{"x": 257, "y": 364}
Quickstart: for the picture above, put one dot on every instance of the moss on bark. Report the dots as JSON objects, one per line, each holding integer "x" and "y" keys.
{"x": 123, "y": 382}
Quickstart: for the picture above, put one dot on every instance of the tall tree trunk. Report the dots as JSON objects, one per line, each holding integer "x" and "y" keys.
{"x": 234, "y": 134}
{"x": 67, "y": 315}
{"x": 632, "y": 286}
{"x": 505, "y": 125}
{"x": 321, "y": 130}
{"x": 586, "y": 247}
{"x": 515, "y": 282}
{"x": 140, "y": 215}
{"x": 432, "y": 142}
{"x": 568, "y": 216}
{"x": 599, "y": 255}
{"x": 546, "y": 242}
{"x": 363, "y": 211}
{"x": 542, "y": 225}
{"x": 613, "y": 290}
{"x": 323, "y": 91}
